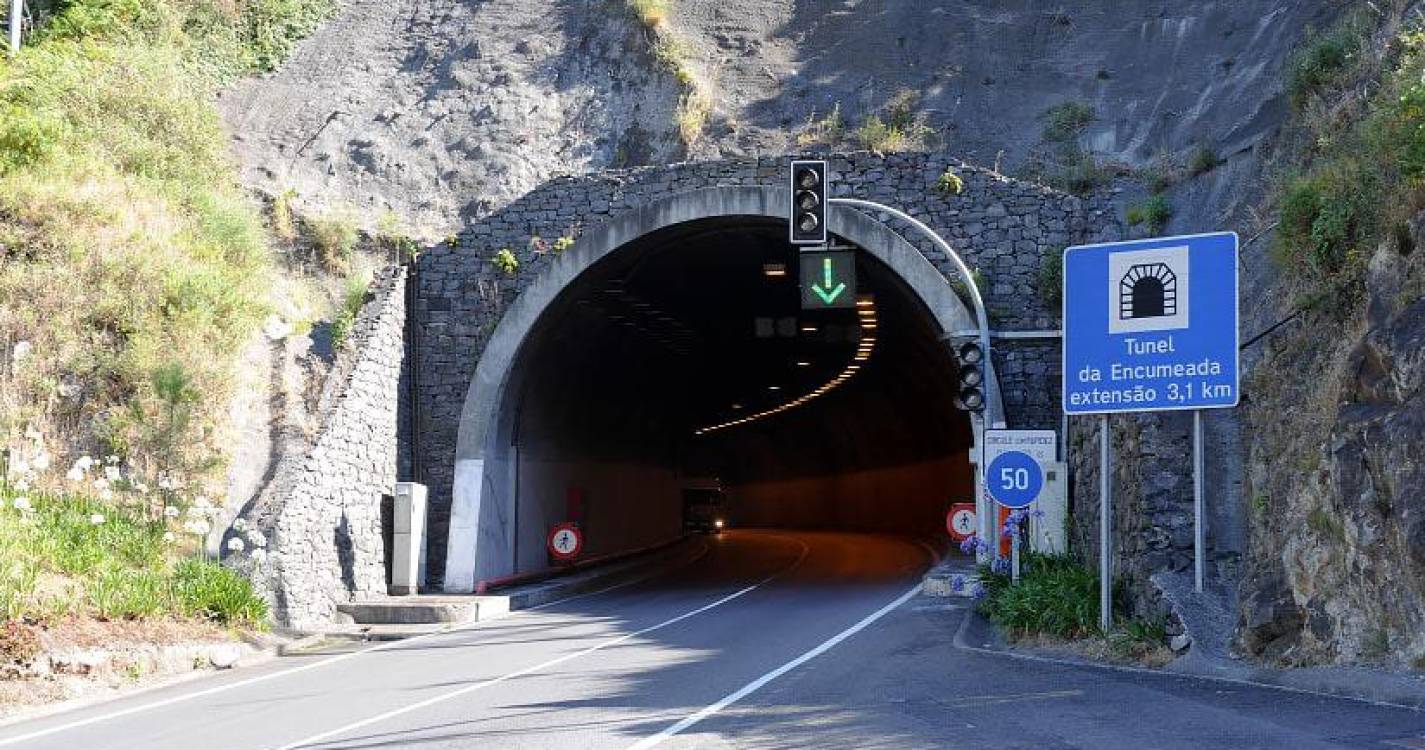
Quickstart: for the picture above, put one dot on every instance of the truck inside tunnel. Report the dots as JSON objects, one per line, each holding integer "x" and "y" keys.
{"x": 685, "y": 356}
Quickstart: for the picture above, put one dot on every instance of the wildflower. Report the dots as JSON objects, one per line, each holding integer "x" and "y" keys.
{"x": 235, "y": 544}
{"x": 75, "y": 474}
{"x": 979, "y": 592}
{"x": 20, "y": 466}
{"x": 141, "y": 488}
{"x": 112, "y": 474}
{"x": 197, "y": 511}
{"x": 170, "y": 511}
{"x": 257, "y": 540}
{"x": 259, "y": 555}
{"x": 40, "y": 462}
{"x": 106, "y": 494}
{"x": 168, "y": 536}
{"x": 101, "y": 483}
{"x": 239, "y": 525}
{"x": 112, "y": 460}
{"x": 20, "y": 352}
{"x": 957, "y": 583}
{"x": 84, "y": 463}
{"x": 200, "y": 528}
{"x": 96, "y": 519}
{"x": 22, "y": 485}
{"x": 22, "y": 504}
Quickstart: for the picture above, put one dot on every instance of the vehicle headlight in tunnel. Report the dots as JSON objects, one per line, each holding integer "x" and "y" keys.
{"x": 718, "y": 523}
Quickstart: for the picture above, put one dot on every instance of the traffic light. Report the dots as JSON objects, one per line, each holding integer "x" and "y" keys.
{"x": 808, "y": 214}
{"x": 971, "y": 396}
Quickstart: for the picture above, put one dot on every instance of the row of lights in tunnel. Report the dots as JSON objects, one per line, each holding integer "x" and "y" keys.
{"x": 866, "y": 315}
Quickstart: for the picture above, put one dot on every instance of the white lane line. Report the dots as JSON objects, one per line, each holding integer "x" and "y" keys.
{"x": 183, "y": 697}
{"x": 544, "y": 665}
{"x": 762, "y": 681}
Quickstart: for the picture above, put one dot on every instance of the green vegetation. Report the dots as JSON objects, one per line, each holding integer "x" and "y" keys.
{"x": 1360, "y": 172}
{"x": 1051, "y": 279}
{"x": 902, "y": 128}
{"x": 284, "y": 224}
{"x": 1065, "y": 121}
{"x": 352, "y": 301}
{"x": 506, "y": 261}
{"x": 651, "y": 12}
{"x": 125, "y": 242}
{"x": 1325, "y": 61}
{"x": 334, "y": 238}
{"x": 1325, "y": 525}
{"x": 1058, "y": 597}
{"x": 1153, "y": 214}
{"x": 561, "y": 244}
{"x": 1204, "y": 159}
{"x": 1055, "y": 596}
{"x": 826, "y": 131}
{"x": 70, "y": 555}
{"x": 950, "y": 183}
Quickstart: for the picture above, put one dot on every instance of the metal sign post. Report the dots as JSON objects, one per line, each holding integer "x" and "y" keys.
{"x": 1105, "y": 529}
{"x": 17, "y": 11}
{"x": 1199, "y": 529}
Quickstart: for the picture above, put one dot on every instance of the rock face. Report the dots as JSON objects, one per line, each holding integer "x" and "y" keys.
{"x": 1337, "y": 463}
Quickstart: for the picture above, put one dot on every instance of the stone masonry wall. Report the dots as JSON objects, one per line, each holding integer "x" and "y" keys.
{"x": 321, "y": 514}
{"x": 1003, "y": 228}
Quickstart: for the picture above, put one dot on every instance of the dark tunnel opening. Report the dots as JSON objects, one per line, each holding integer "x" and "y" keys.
{"x": 685, "y": 356}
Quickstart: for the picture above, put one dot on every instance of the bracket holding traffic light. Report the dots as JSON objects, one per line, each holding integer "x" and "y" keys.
{"x": 970, "y": 359}
{"x": 808, "y": 210}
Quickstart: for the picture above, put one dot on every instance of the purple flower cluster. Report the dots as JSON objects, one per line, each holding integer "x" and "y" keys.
{"x": 979, "y": 592}
{"x": 957, "y": 583}
{"x": 972, "y": 545}
{"x": 1016, "y": 520}
{"x": 1001, "y": 566}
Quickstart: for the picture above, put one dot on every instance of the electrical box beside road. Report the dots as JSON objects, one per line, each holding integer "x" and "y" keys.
{"x": 408, "y": 539}
{"x": 1049, "y": 532}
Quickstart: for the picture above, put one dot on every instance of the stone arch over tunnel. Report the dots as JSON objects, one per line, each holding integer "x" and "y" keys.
{"x": 485, "y": 538}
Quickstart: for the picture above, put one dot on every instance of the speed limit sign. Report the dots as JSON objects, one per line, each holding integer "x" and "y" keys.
{"x": 960, "y": 521}
{"x": 565, "y": 541}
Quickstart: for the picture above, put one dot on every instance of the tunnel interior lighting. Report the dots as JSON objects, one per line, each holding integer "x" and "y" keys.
{"x": 774, "y": 270}
{"x": 866, "y": 312}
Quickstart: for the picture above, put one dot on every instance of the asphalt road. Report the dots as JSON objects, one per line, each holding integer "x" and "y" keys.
{"x": 771, "y": 639}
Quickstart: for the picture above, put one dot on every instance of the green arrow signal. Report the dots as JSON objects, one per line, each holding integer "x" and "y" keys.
{"x": 829, "y": 278}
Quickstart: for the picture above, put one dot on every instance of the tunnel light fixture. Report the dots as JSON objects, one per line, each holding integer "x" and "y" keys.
{"x": 774, "y": 387}
{"x": 803, "y": 363}
{"x": 774, "y": 270}
{"x": 865, "y": 300}
{"x": 808, "y": 328}
{"x": 866, "y": 311}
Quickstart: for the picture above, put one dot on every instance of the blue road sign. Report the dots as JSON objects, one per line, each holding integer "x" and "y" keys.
{"x": 1014, "y": 479}
{"x": 1151, "y": 325}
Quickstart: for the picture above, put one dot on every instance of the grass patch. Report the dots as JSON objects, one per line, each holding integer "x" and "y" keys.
{"x": 334, "y": 239}
{"x": 505, "y": 260}
{"x": 827, "y": 130}
{"x": 1055, "y": 596}
{"x": 1324, "y": 61}
{"x": 694, "y": 110}
{"x": 64, "y": 555}
{"x": 899, "y": 128}
{"x": 125, "y": 240}
{"x": 1204, "y": 159}
{"x": 1152, "y": 214}
{"x": 949, "y": 183}
{"x": 351, "y": 303}
{"x": 1051, "y": 279}
{"x": 1065, "y": 121}
{"x": 1325, "y": 525}
{"x": 651, "y": 13}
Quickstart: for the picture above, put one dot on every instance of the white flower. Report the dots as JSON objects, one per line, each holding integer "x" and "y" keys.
{"x": 201, "y": 528}
{"x": 168, "y": 536}
{"x": 235, "y": 544}
{"x": 22, "y": 504}
{"x": 20, "y": 466}
{"x": 75, "y": 474}
{"x": 22, "y": 485}
{"x": 106, "y": 494}
{"x": 84, "y": 463}
{"x": 22, "y": 349}
{"x": 257, "y": 540}
{"x": 239, "y": 525}
{"x": 96, "y": 519}
{"x": 195, "y": 511}
{"x": 101, "y": 483}
{"x": 112, "y": 459}
{"x": 164, "y": 483}
{"x": 258, "y": 555}
{"x": 170, "y": 511}
{"x": 40, "y": 461}
{"x": 112, "y": 473}
{"x": 141, "y": 488}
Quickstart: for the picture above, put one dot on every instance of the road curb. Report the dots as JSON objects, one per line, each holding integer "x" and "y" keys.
{"x": 1410, "y": 698}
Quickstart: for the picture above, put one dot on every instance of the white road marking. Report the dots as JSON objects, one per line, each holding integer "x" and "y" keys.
{"x": 182, "y": 697}
{"x": 762, "y": 681}
{"x": 545, "y": 665}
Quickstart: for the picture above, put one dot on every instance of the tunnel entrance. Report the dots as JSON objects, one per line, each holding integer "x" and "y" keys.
{"x": 660, "y": 359}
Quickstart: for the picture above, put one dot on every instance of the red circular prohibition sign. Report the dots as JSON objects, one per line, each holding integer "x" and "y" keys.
{"x": 565, "y": 541}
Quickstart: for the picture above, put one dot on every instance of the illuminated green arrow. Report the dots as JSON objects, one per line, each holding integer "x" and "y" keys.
{"x": 828, "y": 278}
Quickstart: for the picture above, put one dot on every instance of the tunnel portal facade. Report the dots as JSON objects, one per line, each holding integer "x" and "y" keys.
{"x": 477, "y": 330}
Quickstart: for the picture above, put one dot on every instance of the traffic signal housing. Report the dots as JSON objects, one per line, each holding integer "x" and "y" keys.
{"x": 808, "y": 210}
{"x": 970, "y": 358}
